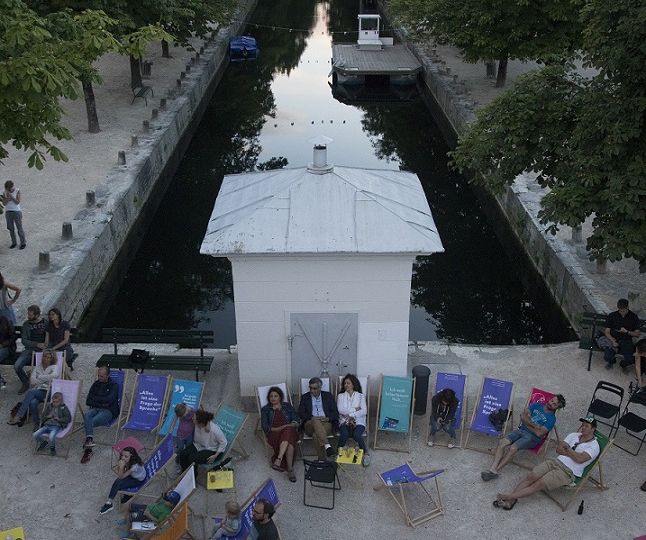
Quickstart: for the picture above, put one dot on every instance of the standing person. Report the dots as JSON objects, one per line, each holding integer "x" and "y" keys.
{"x": 32, "y": 335}
{"x": 617, "y": 339}
{"x": 444, "y": 405}
{"x": 40, "y": 379}
{"x": 57, "y": 336}
{"x": 263, "y": 527}
{"x": 279, "y": 423}
{"x": 6, "y": 301}
{"x": 7, "y": 343}
{"x": 319, "y": 417}
{"x": 130, "y": 474}
{"x": 56, "y": 417}
{"x": 209, "y": 442}
{"x": 353, "y": 411}
{"x": 13, "y": 214}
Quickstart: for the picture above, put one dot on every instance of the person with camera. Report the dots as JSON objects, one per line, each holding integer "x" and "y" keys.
{"x": 444, "y": 405}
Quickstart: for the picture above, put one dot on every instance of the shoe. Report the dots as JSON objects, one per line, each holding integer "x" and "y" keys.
{"x": 42, "y": 446}
{"x": 125, "y": 498}
{"x": 366, "y": 460}
{"x": 89, "y": 443}
{"x": 52, "y": 451}
{"x": 22, "y": 246}
{"x": 452, "y": 444}
{"x": 14, "y": 410}
{"x": 291, "y": 476}
{"x": 17, "y": 421}
{"x": 107, "y": 507}
{"x": 3, "y": 383}
{"x": 222, "y": 464}
{"x": 430, "y": 443}
{"x": 87, "y": 455}
{"x": 23, "y": 388}
{"x": 13, "y": 245}
{"x": 329, "y": 452}
{"x": 488, "y": 475}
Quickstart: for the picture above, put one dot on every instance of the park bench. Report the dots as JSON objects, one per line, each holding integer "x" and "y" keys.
{"x": 142, "y": 92}
{"x": 11, "y": 359}
{"x": 591, "y": 325}
{"x": 186, "y": 339}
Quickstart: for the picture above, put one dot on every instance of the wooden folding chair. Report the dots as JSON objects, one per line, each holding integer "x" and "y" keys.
{"x": 458, "y": 383}
{"x": 395, "y": 410}
{"x": 494, "y": 394}
{"x": 604, "y": 445}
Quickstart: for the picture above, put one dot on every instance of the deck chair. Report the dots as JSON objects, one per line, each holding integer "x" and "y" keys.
{"x": 494, "y": 394}
{"x": 181, "y": 391}
{"x": 365, "y": 386}
{"x": 633, "y": 423}
{"x": 121, "y": 378}
{"x": 605, "y": 404}
{"x": 147, "y": 404}
{"x": 37, "y": 360}
{"x": 458, "y": 383}
{"x": 573, "y": 489}
{"x": 176, "y": 525}
{"x": 155, "y": 463}
{"x": 71, "y": 391}
{"x": 399, "y": 482}
{"x": 261, "y": 401}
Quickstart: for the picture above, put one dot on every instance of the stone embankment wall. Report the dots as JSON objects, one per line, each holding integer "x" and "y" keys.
{"x": 101, "y": 230}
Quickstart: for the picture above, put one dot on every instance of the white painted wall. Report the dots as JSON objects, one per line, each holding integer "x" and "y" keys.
{"x": 268, "y": 289}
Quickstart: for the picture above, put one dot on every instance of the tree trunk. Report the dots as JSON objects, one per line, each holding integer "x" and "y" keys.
{"x": 491, "y": 69}
{"x": 165, "y": 51}
{"x": 502, "y": 72}
{"x": 135, "y": 73}
{"x": 90, "y": 107}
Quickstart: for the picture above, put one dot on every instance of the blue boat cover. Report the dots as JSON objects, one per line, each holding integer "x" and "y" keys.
{"x": 242, "y": 48}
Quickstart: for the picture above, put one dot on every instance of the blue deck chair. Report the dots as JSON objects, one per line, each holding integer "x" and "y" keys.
{"x": 458, "y": 383}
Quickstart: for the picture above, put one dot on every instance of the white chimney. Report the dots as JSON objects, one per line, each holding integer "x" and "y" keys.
{"x": 319, "y": 164}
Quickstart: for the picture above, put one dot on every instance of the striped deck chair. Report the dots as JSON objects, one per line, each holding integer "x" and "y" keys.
{"x": 494, "y": 394}
{"x": 573, "y": 489}
{"x": 458, "y": 383}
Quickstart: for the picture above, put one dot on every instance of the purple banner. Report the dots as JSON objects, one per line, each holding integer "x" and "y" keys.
{"x": 146, "y": 411}
{"x": 404, "y": 474}
{"x": 456, "y": 382}
{"x": 157, "y": 460}
{"x": 119, "y": 377}
{"x": 496, "y": 394}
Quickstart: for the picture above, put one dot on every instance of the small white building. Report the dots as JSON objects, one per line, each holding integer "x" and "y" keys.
{"x": 322, "y": 259}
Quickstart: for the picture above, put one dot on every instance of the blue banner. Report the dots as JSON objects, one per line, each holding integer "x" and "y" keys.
{"x": 454, "y": 381}
{"x": 496, "y": 394}
{"x": 395, "y": 405}
{"x": 157, "y": 460}
{"x": 230, "y": 422}
{"x": 146, "y": 410}
{"x": 189, "y": 392}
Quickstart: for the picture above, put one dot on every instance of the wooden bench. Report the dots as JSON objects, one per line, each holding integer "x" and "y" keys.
{"x": 142, "y": 92}
{"x": 11, "y": 359}
{"x": 591, "y": 325}
{"x": 186, "y": 339}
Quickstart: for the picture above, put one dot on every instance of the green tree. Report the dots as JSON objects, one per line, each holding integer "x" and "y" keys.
{"x": 584, "y": 137}
{"x": 485, "y": 30}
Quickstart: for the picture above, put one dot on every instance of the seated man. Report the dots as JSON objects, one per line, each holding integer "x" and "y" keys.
{"x": 319, "y": 417}
{"x": 617, "y": 339}
{"x": 103, "y": 403}
{"x": 32, "y": 336}
{"x": 576, "y": 452}
{"x": 264, "y": 527}
{"x": 536, "y": 421}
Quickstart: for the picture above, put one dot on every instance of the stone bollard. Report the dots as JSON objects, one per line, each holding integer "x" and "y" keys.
{"x": 162, "y": 104}
{"x": 577, "y": 234}
{"x": 154, "y": 113}
{"x": 43, "y": 261}
{"x": 179, "y": 83}
{"x": 146, "y": 125}
{"x": 134, "y": 140}
{"x": 182, "y": 75}
{"x": 90, "y": 198}
{"x": 67, "y": 231}
{"x": 602, "y": 266}
{"x": 121, "y": 157}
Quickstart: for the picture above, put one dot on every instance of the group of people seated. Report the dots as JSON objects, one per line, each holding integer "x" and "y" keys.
{"x": 319, "y": 415}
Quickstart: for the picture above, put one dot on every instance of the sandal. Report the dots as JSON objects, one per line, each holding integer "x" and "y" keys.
{"x": 276, "y": 465}
{"x": 506, "y": 505}
{"x": 291, "y": 476}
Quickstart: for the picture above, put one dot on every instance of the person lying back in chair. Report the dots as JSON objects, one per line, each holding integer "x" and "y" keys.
{"x": 576, "y": 452}
{"x": 155, "y": 512}
{"x": 319, "y": 417}
{"x": 536, "y": 421}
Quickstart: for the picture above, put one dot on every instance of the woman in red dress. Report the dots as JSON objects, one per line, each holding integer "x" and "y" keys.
{"x": 280, "y": 424}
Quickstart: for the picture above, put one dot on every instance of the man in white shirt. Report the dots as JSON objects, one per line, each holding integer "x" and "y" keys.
{"x": 576, "y": 452}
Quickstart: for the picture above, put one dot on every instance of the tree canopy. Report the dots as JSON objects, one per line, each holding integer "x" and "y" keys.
{"x": 486, "y": 30}
{"x": 584, "y": 136}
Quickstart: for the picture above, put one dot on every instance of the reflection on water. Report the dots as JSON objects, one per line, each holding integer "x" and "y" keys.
{"x": 263, "y": 114}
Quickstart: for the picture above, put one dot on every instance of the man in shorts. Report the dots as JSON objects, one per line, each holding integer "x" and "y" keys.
{"x": 576, "y": 452}
{"x": 536, "y": 421}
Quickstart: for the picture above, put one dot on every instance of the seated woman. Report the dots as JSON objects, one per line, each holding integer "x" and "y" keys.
{"x": 130, "y": 472}
{"x": 7, "y": 343}
{"x": 57, "y": 336}
{"x": 39, "y": 381}
{"x": 209, "y": 442}
{"x": 280, "y": 424}
{"x": 353, "y": 412}
{"x": 444, "y": 404}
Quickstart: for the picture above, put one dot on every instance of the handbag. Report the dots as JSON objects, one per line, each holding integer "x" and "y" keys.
{"x": 138, "y": 359}
{"x": 498, "y": 418}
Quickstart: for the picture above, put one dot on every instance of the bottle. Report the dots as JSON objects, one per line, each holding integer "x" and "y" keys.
{"x": 580, "y": 510}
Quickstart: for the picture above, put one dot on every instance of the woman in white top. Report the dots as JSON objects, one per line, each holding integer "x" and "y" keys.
{"x": 209, "y": 442}
{"x": 13, "y": 214}
{"x": 353, "y": 412}
{"x": 131, "y": 474}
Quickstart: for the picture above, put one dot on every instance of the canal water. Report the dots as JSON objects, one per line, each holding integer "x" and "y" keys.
{"x": 261, "y": 116}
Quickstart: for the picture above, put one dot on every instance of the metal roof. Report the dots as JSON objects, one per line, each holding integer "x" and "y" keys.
{"x": 346, "y": 210}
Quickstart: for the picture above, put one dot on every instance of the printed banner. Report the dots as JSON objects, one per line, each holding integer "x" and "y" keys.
{"x": 230, "y": 422}
{"x": 404, "y": 474}
{"x": 454, "y": 381}
{"x": 157, "y": 460}
{"x": 394, "y": 411}
{"x": 189, "y": 392}
{"x": 149, "y": 399}
{"x": 119, "y": 377}
{"x": 540, "y": 396}
{"x": 496, "y": 394}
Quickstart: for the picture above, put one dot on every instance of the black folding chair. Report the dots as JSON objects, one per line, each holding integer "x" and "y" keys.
{"x": 634, "y": 424}
{"x": 607, "y": 410}
{"x": 321, "y": 474}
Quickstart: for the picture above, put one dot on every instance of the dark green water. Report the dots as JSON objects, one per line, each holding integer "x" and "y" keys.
{"x": 264, "y": 112}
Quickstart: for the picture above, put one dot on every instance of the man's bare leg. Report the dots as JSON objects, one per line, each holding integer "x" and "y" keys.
{"x": 530, "y": 485}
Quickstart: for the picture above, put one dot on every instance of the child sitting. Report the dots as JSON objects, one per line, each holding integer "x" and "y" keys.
{"x": 231, "y": 524}
{"x": 56, "y": 416}
{"x": 157, "y": 511}
{"x": 185, "y": 429}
